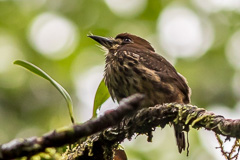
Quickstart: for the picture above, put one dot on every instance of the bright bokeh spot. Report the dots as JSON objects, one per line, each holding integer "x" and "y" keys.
{"x": 182, "y": 33}
{"x": 218, "y": 5}
{"x": 126, "y": 8}
{"x": 233, "y": 50}
{"x": 9, "y": 52}
{"x": 86, "y": 87}
{"x": 53, "y": 36}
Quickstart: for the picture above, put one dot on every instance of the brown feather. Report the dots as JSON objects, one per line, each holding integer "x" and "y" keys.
{"x": 132, "y": 66}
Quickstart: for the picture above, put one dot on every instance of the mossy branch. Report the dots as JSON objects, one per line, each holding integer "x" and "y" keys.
{"x": 106, "y": 132}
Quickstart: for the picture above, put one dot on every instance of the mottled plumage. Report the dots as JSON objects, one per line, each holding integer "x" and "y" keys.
{"x": 132, "y": 66}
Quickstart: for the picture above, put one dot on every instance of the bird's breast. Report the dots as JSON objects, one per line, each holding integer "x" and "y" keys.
{"x": 121, "y": 79}
{"x": 124, "y": 76}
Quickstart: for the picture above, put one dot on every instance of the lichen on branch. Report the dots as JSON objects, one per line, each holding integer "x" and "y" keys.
{"x": 103, "y": 134}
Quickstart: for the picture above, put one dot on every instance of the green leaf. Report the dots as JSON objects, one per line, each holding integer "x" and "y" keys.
{"x": 31, "y": 67}
{"x": 101, "y": 96}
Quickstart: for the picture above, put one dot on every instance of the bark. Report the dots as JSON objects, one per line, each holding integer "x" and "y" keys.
{"x": 99, "y": 138}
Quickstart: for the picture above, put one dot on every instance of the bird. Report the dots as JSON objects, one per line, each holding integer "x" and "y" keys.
{"x": 132, "y": 66}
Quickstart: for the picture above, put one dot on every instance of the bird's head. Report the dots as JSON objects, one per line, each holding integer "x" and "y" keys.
{"x": 123, "y": 40}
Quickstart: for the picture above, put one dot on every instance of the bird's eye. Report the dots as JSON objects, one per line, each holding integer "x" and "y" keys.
{"x": 127, "y": 40}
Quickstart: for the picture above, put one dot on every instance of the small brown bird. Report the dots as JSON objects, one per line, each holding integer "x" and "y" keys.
{"x": 132, "y": 66}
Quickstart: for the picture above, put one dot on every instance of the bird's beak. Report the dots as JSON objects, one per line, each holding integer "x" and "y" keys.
{"x": 106, "y": 42}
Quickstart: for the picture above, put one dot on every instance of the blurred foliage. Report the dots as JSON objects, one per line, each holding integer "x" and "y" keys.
{"x": 30, "y": 106}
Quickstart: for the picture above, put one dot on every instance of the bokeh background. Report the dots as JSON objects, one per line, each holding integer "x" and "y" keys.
{"x": 201, "y": 38}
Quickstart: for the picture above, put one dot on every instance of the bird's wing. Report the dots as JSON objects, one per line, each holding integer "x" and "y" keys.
{"x": 164, "y": 69}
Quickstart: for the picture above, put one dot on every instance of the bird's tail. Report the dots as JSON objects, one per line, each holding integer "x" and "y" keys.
{"x": 180, "y": 137}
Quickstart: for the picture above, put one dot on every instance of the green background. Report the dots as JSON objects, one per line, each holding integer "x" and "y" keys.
{"x": 52, "y": 34}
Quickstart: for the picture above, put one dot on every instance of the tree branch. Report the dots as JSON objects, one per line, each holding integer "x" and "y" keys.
{"x": 27, "y": 147}
{"x": 124, "y": 124}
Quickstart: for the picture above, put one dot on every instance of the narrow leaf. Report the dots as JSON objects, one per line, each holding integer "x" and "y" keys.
{"x": 31, "y": 67}
{"x": 101, "y": 96}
